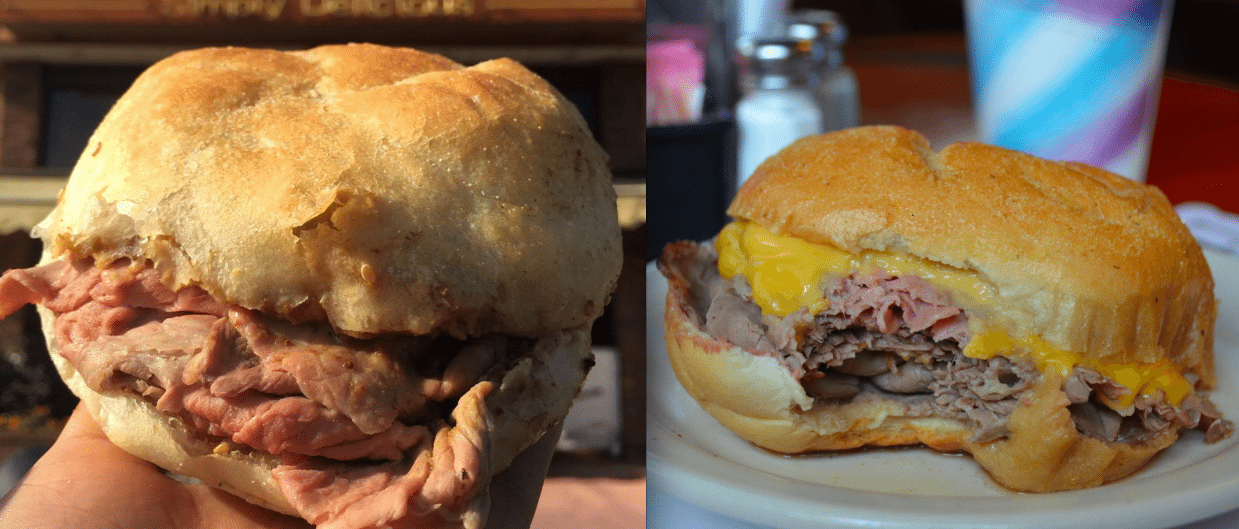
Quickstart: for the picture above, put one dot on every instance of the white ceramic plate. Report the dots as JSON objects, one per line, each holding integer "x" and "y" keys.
{"x": 698, "y": 461}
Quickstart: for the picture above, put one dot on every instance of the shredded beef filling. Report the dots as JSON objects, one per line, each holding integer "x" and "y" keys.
{"x": 1147, "y": 416}
{"x": 369, "y": 431}
{"x": 885, "y": 335}
{"x": 898, "y": 338}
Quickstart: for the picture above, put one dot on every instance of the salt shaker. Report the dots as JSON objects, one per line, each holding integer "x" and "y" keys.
{"x": 833, "y": 84}
{"x": 778, "y": 107}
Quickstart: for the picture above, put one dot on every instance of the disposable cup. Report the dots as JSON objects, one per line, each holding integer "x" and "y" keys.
{"x": 1069, "y": 79}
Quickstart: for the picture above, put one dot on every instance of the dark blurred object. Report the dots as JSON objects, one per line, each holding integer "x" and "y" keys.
{"x": 687, "y": 171}
{"x": 629, "y": 318}
{"x": 29, "y": 384}
{"x": 16, "y": 466}
{"x": 689, "y": 168}
{"x": 623, "y": 324}
{"x": 73, "y": 96}
{"x": 892, "y": 16}
{"x": 1202, "y": 39}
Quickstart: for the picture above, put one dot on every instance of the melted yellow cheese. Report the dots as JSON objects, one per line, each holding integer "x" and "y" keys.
{"x": 1141, "y": 378}
{"x": 1043, "y": 355}
{"x": 787, "y": 273}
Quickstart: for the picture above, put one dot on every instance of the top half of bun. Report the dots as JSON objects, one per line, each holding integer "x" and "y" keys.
{"x": 1081, "y": 257}
{"x": 381, "y": 189}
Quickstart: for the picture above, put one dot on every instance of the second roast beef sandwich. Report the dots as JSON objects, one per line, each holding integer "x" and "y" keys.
{"x": 1052, "y": 319}
{"x": 348, "y": 283}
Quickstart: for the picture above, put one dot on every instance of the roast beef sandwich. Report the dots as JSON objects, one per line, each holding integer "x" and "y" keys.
{"x": 1052, "y": 319}
{"x": 348, "y": 283}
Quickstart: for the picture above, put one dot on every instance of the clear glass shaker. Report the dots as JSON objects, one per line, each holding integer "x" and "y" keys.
{"x": 777, "y": 107}
{"x": 833, "y": 84}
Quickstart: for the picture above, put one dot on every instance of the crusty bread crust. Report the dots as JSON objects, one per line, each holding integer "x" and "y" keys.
{"x": 758, "y": 399}
{"x": 1085, "y": 259}
{"x": 383, "y": 189}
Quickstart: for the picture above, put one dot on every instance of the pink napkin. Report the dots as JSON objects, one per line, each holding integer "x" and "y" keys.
{"x": 674, "y": 71}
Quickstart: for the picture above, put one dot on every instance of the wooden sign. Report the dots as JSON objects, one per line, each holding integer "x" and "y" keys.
{"x": 302, "y": 11}
{"x": 318, "y": 9}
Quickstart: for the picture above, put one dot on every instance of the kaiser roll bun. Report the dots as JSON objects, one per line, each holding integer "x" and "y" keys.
{"x": 1071, "y": 259}
{"x": 381, "y": 189}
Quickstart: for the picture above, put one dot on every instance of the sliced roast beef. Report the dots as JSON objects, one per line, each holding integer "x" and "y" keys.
{"x": 357, "y": 378}
{"x": 899, "y": 338}
{"x": 332, "y": 406}
{"x": 151, "y": 354}
{"x": 1145, "y": 417}
{"x": 984, "y": 391}
{"x": 896, "y": 335}
{"x": 21, "y": 287}
{"x": 1084, "y": 381}
{"x": 438, "y": 472}
{"x": 738, "y": 321}
{"x": 888, "y": 303}
{"x": 1216, "y": 428}
{"x": 1096, "y": 421}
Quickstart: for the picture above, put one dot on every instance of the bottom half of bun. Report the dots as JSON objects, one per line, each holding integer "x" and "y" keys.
{"x": 532, "y": 395}
{"x": 756, "y": 397}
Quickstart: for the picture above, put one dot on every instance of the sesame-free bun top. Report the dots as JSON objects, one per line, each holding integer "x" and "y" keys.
{"x": 1085, "y": 259}
{"x": 382, "y": 189}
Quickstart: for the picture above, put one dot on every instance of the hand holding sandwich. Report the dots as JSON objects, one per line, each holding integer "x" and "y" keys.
{"x": 86, "y": 481}
{"x": 350, "y": 283}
